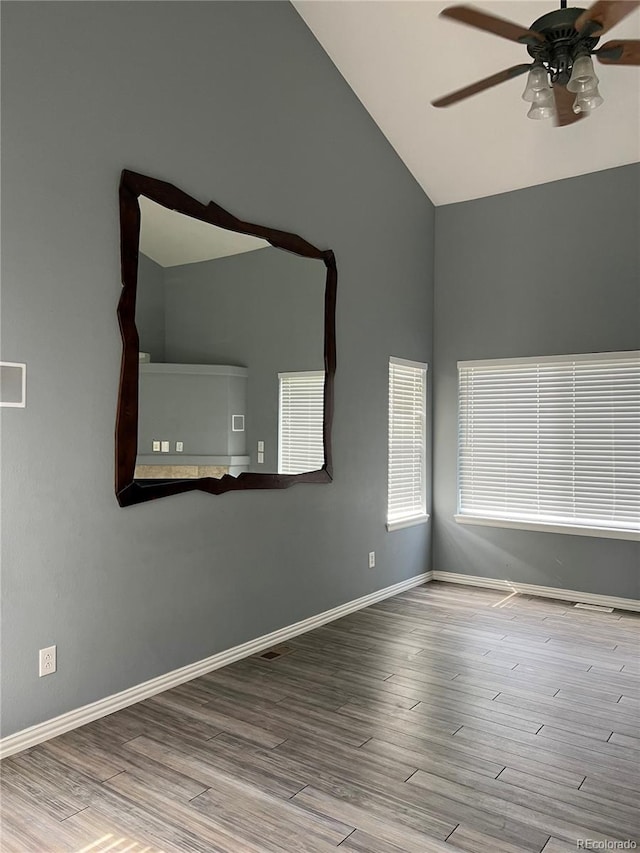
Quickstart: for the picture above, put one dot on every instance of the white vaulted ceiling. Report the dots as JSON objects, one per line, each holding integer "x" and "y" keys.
{"x": 397, "y": 56}
{"x": 170, "y": 238}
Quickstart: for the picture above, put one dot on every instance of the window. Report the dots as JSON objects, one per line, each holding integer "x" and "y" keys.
{"x": 551, "y": 443}
{"x": 407, "y": 443}
{"x": 301, "y": 409}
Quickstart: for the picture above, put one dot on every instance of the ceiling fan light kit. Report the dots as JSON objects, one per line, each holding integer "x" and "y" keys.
{"x": 561, "y": 44}
{"x": 583, "y": 83}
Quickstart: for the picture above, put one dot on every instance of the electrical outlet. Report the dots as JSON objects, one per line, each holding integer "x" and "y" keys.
{"x": 48, "y": 662}
{"x": 179, "y": 446}
{"x": 372, "y": 559}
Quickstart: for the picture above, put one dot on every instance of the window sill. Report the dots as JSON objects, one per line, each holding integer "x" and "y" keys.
{"x": 574, "y": 529}
{"x": 407, "y": 522}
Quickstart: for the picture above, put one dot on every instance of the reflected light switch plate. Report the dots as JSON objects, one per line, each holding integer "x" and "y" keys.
{"x": 156, "y": 446}
{"x": 261, "y": 447}
{"x": 165, "y": 446}
{"x": 260, "y": 458}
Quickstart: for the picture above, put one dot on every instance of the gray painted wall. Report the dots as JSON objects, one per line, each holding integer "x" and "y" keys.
{"x": 150, "y": 308}
{"x": 262, "y": 310}
{"x": 238, "y": 103}
{"x": 194, "y": 408}
{"x": 542, "y": 271}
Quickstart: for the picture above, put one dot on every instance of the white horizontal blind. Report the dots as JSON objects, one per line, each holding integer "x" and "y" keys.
{"x": 301, "y": 443}
{"x": 407, "y": 440}
{"x": 553, "y": 440}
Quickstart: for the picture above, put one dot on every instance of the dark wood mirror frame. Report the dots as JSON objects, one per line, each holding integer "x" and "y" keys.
{"x": 129, "y": 490}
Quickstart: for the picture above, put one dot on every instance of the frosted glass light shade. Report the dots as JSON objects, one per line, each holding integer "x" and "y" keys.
{"x": 543, "y": 103}
{"x": 537, "y": 81}
{"x": 586, "y": 102}
{"x": 583, "y": 75}
{"x": 543, "y": 98}
{"x": 539, "y": 111}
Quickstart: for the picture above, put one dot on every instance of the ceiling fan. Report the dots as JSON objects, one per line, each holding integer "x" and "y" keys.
{"x": 562, "y": 83}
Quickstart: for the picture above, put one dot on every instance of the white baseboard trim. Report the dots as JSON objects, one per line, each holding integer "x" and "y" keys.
{"x": 81, "y": 716}
{"x": 534, "y": 589}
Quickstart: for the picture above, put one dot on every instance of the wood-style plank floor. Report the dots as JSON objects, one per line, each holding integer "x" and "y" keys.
{"x": 445, "y": 719}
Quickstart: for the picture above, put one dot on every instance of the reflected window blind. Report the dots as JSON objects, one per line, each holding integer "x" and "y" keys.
{"x": 301, "y": 444}
{"x": 407, "y": 440}
{"x": 553, "y": 440}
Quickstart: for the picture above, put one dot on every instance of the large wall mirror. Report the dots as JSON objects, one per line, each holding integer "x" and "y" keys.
{"x": 228, "y": 358}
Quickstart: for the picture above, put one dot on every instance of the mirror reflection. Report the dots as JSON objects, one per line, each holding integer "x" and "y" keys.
{"x": 231, "y": 362}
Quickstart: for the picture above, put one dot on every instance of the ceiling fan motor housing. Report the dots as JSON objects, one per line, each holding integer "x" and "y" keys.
{"x": 562, "y": 43}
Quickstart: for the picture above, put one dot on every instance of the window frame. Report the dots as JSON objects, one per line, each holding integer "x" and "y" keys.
{"x": 422, "y": 516}
{"x": 572, "y": 527}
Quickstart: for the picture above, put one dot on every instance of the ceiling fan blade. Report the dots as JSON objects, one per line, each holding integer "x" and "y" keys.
{"x": 625, "y": 52}
{"x": 490, "y": 24}
{"x": 603, "y": 15}
{"x": 564, "y": 107}
{"x": 481, "y": 85}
